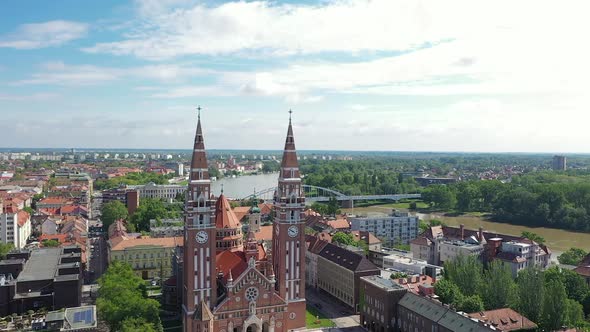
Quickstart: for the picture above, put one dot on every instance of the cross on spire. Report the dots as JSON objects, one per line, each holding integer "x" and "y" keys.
{"x": 199, "y": 111}
{"x": 222, "y": 188}
{"x": 290, "y": 112}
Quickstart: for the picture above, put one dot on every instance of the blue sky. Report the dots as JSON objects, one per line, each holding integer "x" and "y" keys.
{"x": 359, "y": 74}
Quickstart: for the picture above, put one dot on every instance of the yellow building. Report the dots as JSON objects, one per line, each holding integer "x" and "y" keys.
{"x": 149, "y": 257}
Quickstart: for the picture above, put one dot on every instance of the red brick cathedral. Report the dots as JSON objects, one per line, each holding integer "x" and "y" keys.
{"x": 231, "y": 282}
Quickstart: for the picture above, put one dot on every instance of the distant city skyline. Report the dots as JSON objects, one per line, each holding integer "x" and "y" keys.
{"x": 360, "y": 75}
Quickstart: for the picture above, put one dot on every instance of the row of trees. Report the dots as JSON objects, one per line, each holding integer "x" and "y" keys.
{"x": 551, "y": 298}
{"x": 560, "y": 200}
{"x": 123, "y": 301}
{"x": 132, "y": 179}
{"x": 358, "y": 177}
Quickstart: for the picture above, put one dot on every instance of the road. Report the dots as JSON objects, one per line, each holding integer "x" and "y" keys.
{"x": 98, "y": 257}
{"x": 340, "y": 314}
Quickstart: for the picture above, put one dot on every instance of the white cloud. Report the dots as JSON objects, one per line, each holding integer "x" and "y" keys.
{"x": 283, "y": 29}
{"x": 46, "y": 34}
{"x": 59, "y": 73}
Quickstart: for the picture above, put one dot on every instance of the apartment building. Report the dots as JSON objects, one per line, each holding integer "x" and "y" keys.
{"x": 397, "y": 228}
{"x": 15, "y": 227}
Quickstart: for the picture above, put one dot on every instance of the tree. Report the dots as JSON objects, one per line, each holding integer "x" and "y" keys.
{"x": 533, "y": 237}
{"x": 448, "y": 292}
{"x": 154, "y": 209}
{"x": 137, "y": 325}
{"x": 29, "y": 210}
{"x": 50, "y": 243}
{"x": 440, "y": 196}
{"x": 333, "y": 206}
{"x": 123, "y": 295}
{"x": 111, "y": 212}
{"x": 5, "y": 248}
{"x": 398, "y": 275}
{"x": 466, "y": 273}
{"x": 499, "y": 289}
{"x": 471, "y": 303}
{"x": 531, "y": 291}
{"x": 572, "y": 256}
{"x": 574, "y": 313}
{"x": 554, "y": 306}
{"x": 343, "y": 238}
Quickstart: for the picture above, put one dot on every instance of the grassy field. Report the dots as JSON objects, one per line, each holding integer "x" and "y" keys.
{"x": 311, "y": 319}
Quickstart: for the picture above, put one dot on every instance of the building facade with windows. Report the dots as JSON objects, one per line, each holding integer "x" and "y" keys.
{"x": 397, "y": 228}
{"x": 15, "y": 227}
{"x": 149, "y": 257}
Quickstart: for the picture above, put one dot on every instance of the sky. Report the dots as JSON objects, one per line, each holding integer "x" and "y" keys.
{"x": 387, "y": 75}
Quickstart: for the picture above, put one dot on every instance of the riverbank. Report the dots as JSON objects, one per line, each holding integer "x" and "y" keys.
{"x": 557, "y": 240}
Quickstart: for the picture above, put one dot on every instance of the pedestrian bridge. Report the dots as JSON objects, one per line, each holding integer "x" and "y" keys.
{"x": 321, "y": 194}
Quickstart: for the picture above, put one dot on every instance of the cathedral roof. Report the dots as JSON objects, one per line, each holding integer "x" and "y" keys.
{"x": 230, "y": 261}
{"x": 224, "y": 215}
{"x": 199, "y": 156}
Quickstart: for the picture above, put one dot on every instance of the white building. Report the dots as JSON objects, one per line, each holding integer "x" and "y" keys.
{"x": 451, "y": 249}
{"x": 165, "y": 191}
{"x": 404, "y": 264}
{"x": 521, "y": 254}
{"x": 397, "y": 228}
{"x": 15, "y": 228}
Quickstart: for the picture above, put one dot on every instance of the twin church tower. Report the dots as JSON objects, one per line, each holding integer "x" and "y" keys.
{"x": 232, "y": 283}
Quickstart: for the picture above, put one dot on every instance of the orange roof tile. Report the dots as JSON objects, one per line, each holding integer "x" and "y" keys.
{"x": 224, "y": 215}
{"x": 23, "y": 217}
{"x": 229, "y": 260}
{"x": 241, "y": 211}
{"x": 265, "y": 233}
{"x": 504, "y": 319}
{"x": 168, "y": 242}
{"x": 339, "y": 224}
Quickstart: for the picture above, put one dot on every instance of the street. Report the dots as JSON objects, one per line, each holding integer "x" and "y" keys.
{"x": 98, "y": 258}
{"x": 340, "y": 314}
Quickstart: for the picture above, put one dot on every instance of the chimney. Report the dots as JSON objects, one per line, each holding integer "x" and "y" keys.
{"x": 480, "y": 233}
{"x": 462, "y": 228}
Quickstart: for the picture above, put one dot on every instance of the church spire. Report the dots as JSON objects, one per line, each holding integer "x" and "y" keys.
{"x": 290, "y": 154}
{"x": 199, "y": 168}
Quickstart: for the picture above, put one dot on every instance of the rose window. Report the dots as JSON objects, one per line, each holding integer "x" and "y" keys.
{"x": 251, "y": 293}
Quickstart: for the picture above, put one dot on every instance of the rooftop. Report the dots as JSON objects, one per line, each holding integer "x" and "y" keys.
{"x": 146, "y": 242}
{"x": 41, "y": 265}
{"x": 383, "y": 283}
{"x": 504, "y": 319}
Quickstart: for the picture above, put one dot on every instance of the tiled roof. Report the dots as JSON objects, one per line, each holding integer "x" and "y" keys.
{"x": 224, "y": 215}
{"x": 436, "y": 312}
{"x": 372, "y": 239}
{"x": 339, "y": 223}
{"x": 346, "y": 258}
{"x": 265, "y": 208}
{"x": 167, "y": 242}
{"x": 228, "y": 260}
{"x": 504, "y": 319}
{"x": 421, "y": 241}
{"x": 265, "y": 233}
{"x": 23, "y": 217}
{"x": 241, "y": 211}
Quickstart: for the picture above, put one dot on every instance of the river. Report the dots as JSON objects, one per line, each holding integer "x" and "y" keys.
{"x": 242, "y": 186}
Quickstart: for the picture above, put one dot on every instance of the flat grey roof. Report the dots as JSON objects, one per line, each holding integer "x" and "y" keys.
{"x": 382, "y": 282}
{"x": 11, "y": 261}
{"x": 41, "y": 266}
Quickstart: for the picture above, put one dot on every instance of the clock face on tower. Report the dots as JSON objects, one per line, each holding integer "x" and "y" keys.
{"x": 293, "y": 231}
{"x": 202, "y": 237}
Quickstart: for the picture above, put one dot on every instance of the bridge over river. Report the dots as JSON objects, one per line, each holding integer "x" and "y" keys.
{"x": 321, "y": 194}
